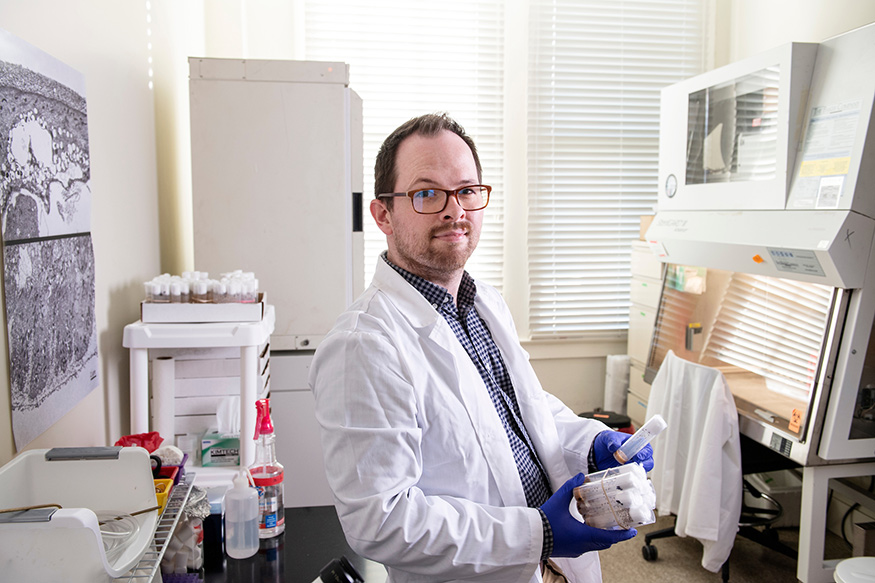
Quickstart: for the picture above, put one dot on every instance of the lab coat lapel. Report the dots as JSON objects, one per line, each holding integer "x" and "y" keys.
{"x": 467, "y": 384}
{"x": 488, "y": 428}
{"x": 529, "y": 393}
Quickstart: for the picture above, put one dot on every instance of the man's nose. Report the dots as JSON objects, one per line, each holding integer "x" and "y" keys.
{"x": 453, "y": 210}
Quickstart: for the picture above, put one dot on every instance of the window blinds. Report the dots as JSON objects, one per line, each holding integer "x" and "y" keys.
{"x": 410, "y": 58}
{"x": 774, "y": 328}
{"x": 595, "y": 72}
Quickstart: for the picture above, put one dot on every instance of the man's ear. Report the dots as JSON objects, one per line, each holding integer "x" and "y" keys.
{"x": 382, "y": 216}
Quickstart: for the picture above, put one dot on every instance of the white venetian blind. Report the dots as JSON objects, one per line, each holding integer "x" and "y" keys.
{"x": 595, "y": 72}
{"x": 773, "y": 328}
{"x": 409, "y": 58}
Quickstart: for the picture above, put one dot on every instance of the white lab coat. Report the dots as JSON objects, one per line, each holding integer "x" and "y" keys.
{"x": 698, "y": 471}
{"x": 417, "y": 457}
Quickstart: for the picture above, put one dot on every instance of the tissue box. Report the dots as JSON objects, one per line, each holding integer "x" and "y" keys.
{"x": 220, "y": 449}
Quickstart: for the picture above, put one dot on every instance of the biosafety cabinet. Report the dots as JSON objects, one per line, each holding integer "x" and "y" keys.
{"x": 766, "y": 224}
{"x": 277, "y": 180}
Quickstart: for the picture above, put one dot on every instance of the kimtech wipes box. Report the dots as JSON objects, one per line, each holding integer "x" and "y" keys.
{"x": 220, "y": 449}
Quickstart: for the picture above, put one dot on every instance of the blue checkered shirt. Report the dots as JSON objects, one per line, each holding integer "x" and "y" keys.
{"x": 472, "y": 333}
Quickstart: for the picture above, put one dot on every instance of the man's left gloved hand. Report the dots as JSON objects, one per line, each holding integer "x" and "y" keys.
{"x": 607, "y": 442}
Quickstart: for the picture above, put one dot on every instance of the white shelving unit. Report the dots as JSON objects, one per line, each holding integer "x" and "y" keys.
{"x": 140, "y": 337}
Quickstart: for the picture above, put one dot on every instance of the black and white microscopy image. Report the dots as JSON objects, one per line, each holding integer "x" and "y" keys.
{"x": 46, "y": 169}
{"x": 45, "y": 217}
{"x": 51, "y": 323}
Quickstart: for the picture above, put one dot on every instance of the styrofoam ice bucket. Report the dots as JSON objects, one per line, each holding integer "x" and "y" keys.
{"x": 65, "y": 544}
{"x": 617, "y": 499}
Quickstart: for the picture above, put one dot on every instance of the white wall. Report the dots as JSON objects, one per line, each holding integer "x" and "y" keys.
{"x": 106, "y": 41}
{"x": 758, "y": 25}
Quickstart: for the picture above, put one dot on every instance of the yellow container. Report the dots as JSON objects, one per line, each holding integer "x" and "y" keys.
{"x": 162, "y": 491}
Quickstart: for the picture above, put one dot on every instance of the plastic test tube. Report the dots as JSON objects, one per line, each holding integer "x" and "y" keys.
{"x": 642, "y": 437}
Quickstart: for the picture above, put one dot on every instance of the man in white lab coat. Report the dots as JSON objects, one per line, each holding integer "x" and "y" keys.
{"x": 447, "y": 459}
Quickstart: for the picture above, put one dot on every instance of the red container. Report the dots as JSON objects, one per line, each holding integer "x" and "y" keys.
{"x": 169, "y": 473}
{"x": 174, "y": 472}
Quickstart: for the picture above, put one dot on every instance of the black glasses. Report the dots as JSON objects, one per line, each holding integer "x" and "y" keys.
{"x": 430, "y": 201}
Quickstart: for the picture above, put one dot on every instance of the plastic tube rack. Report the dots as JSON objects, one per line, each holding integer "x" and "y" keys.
{"x": 146, "y": 570}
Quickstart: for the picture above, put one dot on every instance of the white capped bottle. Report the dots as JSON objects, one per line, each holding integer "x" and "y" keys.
{"x": 241, "y": 519}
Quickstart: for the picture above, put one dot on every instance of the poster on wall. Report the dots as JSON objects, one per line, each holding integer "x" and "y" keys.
{"x": 48, "y": 258}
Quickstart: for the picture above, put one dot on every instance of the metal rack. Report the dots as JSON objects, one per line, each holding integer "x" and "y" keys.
{"x": 147, "y": 568}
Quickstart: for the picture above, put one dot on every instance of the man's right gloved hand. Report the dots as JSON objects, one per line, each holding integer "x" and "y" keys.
{"x": 571, "y": 537}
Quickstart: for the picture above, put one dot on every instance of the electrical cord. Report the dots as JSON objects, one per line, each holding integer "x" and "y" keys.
{"x": 850, "y": 511}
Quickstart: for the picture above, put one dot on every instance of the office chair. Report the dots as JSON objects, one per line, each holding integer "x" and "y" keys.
{"x": 703, "y": 423}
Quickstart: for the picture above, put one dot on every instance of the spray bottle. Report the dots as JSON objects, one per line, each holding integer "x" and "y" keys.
{"x": 267, "y": 473}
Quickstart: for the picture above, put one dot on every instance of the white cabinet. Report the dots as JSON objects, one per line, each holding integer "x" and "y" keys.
{"x": 641, "y": 322}
{"x": 298, "y": 444}
{"x": 277, "y": 185}
{"x": 644, "y": 292}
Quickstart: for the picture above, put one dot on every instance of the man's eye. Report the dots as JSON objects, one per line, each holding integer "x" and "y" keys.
{"x": 467, "y": 191}
{"x": 425, "y": 194}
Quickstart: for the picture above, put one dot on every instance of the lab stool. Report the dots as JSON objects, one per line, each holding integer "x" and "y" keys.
{"x": 855, "y": 570}
{"x": 616, "y": 421}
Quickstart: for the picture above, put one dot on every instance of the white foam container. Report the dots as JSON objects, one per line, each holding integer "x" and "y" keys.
{"x": 68, "y": 547}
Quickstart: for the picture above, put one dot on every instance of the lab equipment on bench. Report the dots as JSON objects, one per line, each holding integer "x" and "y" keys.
{"x": 640, "y": 438}
{"x": 766, "y": 222}
{"x": 74, "y": 487}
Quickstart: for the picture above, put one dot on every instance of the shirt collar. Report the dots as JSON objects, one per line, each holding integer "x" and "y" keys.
{"x": 437, "y": 295}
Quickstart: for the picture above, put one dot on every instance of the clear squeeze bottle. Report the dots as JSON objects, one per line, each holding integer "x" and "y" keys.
{"x": 267, "y": 473}
{"x": 241, "y": 519}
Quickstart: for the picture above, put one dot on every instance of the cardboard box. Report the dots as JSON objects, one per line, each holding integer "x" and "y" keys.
{"x": 864, "y": 539}
{"x": 220, "y": 449}
{"x": 785, "y": 486}
{"x": 644, "y": 225}
{"x": 161, "y": 313}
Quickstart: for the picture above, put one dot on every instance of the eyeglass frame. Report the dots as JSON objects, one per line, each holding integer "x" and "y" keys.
{"x": 455, "y": 193}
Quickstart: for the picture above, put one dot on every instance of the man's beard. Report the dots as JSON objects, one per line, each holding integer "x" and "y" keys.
{"x": 431, "y": 262}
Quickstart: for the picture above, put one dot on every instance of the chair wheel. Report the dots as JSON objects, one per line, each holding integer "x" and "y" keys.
{"x": 649, "y": 552}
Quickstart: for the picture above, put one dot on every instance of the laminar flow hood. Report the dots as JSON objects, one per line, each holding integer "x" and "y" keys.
{"x": 766, "y": 223}
{"x": 767, "y": 166}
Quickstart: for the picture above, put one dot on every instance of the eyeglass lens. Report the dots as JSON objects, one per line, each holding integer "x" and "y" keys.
{"x": 434, "y": 201}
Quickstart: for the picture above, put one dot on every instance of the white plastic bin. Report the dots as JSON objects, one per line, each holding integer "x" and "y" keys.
{"x": 67, "y": 545}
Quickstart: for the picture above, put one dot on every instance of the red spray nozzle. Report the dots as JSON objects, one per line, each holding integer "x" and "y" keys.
{"x": 263, "y": 425}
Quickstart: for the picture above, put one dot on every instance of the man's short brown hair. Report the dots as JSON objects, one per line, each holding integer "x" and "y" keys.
{"x": 431, "y": 124}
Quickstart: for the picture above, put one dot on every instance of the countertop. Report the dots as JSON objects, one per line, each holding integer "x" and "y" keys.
{"x": 312, "y": 539}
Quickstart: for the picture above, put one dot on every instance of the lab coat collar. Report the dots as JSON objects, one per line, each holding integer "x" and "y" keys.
{"x": 409, "y": 302}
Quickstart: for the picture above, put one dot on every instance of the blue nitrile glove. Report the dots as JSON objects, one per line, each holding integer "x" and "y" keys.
{"x": 571, "y": 537}
{"x": 607, "y": 442}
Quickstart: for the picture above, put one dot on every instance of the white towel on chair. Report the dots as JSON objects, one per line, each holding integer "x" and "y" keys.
{"x": 697, "y": 473}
